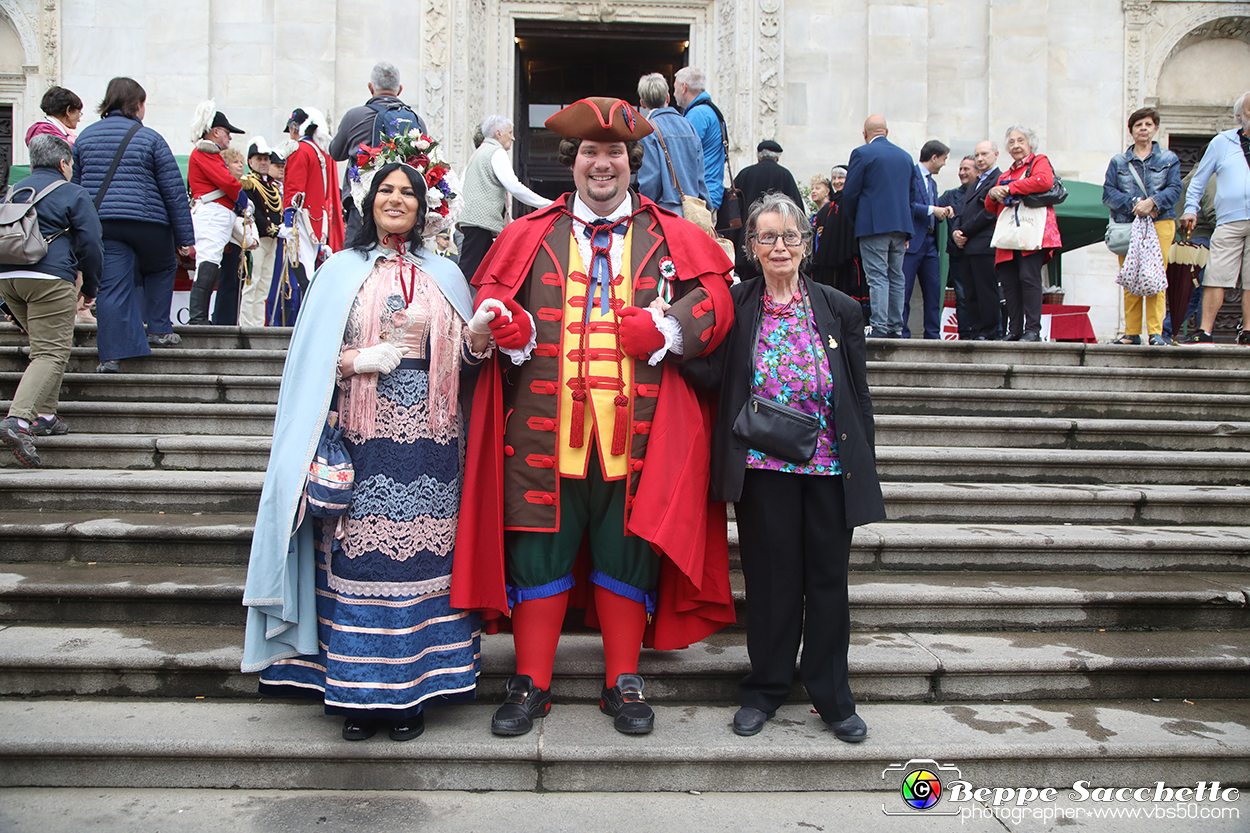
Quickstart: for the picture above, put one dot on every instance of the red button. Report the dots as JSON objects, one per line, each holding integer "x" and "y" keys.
{"x": 508, "y": 451}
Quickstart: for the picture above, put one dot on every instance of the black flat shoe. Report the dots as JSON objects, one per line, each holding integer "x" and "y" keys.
{"x": 522, "y": 704}
{"x": 356, "y": 729}
{"x": 629, "y": 710}
{"x": 749, "y": 721}
{"x": 1030, "y": 337}
{"x": 851, "y": 730}
{"x": 408, "y": 728}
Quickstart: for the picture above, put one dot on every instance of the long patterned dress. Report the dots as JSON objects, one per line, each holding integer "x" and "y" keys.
{"x": 390, "y": 642}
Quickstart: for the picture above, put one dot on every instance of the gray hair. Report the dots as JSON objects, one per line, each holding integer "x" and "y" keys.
{"x": 692, "y": 77}
{"x": 767, "y": 154}
{"x": 384, "y": 77}
{"x": 493, "y": 124}
{"x": 773, "y": 202}
{"x": 1237, "y": 108}
{"x": 841, "y": 168}
{"x": 48, "y": 151}
{"x": 652, "y": 91}
{"x": 1029, "y": 135}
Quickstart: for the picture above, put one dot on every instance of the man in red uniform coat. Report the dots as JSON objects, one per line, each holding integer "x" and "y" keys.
{"x": 312, "y": 211}
{"x": 215, "y": 197}
{"x": 584, "y": 435}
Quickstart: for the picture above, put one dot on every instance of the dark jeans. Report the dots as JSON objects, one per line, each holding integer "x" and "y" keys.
{"x": 477, "y": 242}
{"x": 136, "y": 287}
{"x": 226, "y": 307}
{"x": 795, "y": 550}
{"x": 1021, "y": 278}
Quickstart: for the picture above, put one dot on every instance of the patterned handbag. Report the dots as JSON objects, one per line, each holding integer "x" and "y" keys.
{"x": 1143, "y": 273}
{"x": 331, "y": 475}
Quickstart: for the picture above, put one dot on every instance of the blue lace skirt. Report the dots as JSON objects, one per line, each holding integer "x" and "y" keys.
{"x": 390, "y": 641}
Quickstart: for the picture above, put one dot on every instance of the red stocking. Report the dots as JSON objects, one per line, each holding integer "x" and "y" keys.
{"x": 536, "y": 633}
{"x": 623, "y": 622}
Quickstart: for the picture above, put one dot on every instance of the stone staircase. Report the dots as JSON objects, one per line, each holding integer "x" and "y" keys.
{"x": 1060, "y": 592}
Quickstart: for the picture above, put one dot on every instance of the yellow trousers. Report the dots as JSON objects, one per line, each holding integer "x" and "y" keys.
{"x": 1166, "y": 229}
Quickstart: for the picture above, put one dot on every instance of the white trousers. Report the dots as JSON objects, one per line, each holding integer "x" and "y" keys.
{"x": 252, "y": 304}
{"x": 213, "y": 223}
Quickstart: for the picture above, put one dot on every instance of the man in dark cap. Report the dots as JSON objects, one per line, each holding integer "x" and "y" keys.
{"x": 265, "y": 192}
{"x": 215, "y": 201}
{"x": 605, "y": 296}
{"x": 756, "y": 180}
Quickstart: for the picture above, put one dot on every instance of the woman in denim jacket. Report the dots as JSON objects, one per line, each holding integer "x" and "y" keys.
{"x": 1160, "y": 171}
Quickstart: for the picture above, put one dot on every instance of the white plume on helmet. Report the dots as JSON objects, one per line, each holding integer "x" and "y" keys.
{"x": 203, "y": 121}
{"x": 262, "y": 147}
{"x": 321, "y": 136}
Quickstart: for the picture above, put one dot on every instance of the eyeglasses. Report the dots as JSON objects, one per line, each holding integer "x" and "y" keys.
{"x": 769, "y": 238}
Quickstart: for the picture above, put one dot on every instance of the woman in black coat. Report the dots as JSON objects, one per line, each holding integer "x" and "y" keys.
{"x": 794, "y": 515}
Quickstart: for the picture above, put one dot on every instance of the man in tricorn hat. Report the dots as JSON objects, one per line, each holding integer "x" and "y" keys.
{"x": 215, "y": 202}
{"x": 584, "y": 429}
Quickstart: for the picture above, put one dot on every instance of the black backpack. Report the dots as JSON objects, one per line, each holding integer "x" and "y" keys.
{"x": 392, "y": 118}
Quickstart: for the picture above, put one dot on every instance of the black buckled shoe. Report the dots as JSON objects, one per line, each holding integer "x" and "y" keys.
{"x": 749, "y": 721}
{"x": 356, "y": 729}
{"x": 522, "y": 703}
{"x": 408, "y": 728}
{"x": 624, "y": 701}
{"x": 851, "y": 730}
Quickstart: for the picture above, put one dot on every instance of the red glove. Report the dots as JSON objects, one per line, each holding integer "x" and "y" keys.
{"x": 512, "y": 331}
{"x": 639, "y": 335}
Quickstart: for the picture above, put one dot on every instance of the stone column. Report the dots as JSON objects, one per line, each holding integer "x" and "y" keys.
{"x": 304, "y": 52}
{"x": 1019, "y": 65}
{"x": 898, "y": 68}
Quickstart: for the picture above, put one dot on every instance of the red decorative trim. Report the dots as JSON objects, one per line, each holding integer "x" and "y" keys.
{"x": 543, "y": 498}
{"x": 544, "y": 388}
{"x": 541, "y": 423}
{"x": 540, "y": 461}
{"x": 550, "y": 314}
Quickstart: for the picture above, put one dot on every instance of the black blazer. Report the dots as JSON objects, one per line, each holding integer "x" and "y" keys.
{"x": 839, "y": 320}
{"x": 974, "y": 221}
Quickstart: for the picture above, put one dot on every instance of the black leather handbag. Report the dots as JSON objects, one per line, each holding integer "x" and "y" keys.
{"x": 1053, "y": 195}
{"x": 771, "y": 427}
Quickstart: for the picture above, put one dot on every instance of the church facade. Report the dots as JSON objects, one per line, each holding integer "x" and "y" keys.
{"x": 803, "y": 72}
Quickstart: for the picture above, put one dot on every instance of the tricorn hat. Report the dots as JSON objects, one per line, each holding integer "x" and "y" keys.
{"x": 600, "y": 119}
{"x": 220, "y": 120}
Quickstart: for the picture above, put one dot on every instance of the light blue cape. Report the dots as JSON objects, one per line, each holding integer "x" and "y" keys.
{"x": 279, "y": 595}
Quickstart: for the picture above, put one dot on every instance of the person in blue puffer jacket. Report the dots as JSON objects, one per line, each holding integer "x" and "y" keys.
{"x": 145, "y": 215}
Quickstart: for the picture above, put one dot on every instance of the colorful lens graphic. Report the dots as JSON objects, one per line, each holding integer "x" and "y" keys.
{"x": 921, "y": 789}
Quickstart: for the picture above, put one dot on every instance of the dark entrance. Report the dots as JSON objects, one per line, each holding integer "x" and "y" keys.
{"x": 559, "y": 63}
{"x": 6, "y": 142}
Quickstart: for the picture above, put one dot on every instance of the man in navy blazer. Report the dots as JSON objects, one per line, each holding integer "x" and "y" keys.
{"x": 922, "y": 250}
{"x": 879, "y": 194}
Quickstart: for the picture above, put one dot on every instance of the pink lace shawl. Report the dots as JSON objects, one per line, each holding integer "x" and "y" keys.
{"x": 373, "y": 320}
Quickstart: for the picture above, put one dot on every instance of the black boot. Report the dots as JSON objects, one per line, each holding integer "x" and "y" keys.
{"x": 201, "y": 291}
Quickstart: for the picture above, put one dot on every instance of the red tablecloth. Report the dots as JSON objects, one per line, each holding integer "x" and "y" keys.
{"x": 1069, "y": 323}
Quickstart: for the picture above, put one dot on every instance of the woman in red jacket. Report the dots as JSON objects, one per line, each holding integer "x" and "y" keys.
{"x": 1020, "y": 273}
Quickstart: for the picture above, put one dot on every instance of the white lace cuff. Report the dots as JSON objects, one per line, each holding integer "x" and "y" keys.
{"x": 521, "y": 356}
{"x": 671, "y": 330}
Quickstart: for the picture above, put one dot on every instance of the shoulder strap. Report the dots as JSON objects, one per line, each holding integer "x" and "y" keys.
{"x": 51, "y": 187}
{"x": 724, "y": 131}
{"x": 1140, "y": 184}
{"x": 117, "y": 158}
{"x": 671, "y": 171}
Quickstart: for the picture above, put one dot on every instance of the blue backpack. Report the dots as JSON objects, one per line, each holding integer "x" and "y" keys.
{"x": 393, "y": 118}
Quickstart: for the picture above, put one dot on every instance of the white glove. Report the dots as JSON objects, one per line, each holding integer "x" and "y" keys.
{"x": 480, "y": 322}
{"x": 380, "y": 358}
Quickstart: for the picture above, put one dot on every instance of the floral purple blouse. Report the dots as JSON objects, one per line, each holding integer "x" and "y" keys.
{"x": 785, "y": 372}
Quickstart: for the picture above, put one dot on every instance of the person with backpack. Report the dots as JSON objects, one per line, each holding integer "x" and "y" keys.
{"x": 40, "y": 293}
{"x": 383, "y": 114}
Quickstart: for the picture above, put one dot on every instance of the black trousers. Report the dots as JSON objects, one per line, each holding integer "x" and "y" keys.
{"x": 795, "y": 548}
{"x": 477, "y": 242}
{"x": 981, "y": 295}
{"x": 1021, "y": 278}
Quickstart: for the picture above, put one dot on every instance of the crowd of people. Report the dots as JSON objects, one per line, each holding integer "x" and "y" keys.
{"x": 601, "y": 375}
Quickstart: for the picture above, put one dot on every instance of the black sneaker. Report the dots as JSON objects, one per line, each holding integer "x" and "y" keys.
{"x": 629, "y": 710}
{"x": 165, "y": 340}
{"x": 20, "y": 441}
{"x": 356, "y": 729}
{"x": 52, "y": 426}
{"x": 408, "y": 728}
{"x": 1200, "y": 337}
{"x": 523, "y": 702}
{"x": 1243, "y": 338}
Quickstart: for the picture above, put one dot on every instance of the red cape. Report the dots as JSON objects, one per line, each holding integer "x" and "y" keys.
{"x": 670, "y": 509}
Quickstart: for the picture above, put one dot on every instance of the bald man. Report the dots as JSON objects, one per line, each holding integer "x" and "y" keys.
{"x": 879, "y": 194}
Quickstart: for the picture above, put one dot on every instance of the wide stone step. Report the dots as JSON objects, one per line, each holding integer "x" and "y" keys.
{"x": 942, "y": 353}
{"x": 171, "y": 452}
{"x": 130, "y": 491}
{"x": 96, "y": 593}
{"x": 194, "y": 337}
{"x": 1024, "y": 432}
{"x": 165, "y": 418}
{"x": 190, "y": 661}
{"x": 158, "y": 387}
{"x": 146, "y": 538}
{"x": 180, "y": 360}
{"x": 1070, "y": 404}
{"x": 1047, "y": 377}
{"x": 136, "y": 743}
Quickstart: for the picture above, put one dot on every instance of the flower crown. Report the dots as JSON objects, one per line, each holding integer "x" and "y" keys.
{"x": 442, "y": 184}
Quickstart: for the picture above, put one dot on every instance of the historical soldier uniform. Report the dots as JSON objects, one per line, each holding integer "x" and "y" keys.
{"x": 265, "y": 194}
{"x": 215, "y": 203}
{"x": 588, "y": 430}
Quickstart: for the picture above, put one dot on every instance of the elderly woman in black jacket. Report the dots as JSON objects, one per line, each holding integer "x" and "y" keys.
{"x": 801, "y": 480}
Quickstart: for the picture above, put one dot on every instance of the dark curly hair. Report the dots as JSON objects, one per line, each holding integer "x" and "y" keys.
{"x": 367, "y": 237}
{"x": 569, "y": 147}
{"x": 58, "y": 101}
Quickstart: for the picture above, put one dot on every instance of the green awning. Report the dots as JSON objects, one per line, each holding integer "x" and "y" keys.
{"x": 18, "y": 172}
{"x": 1082, "y": 217}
